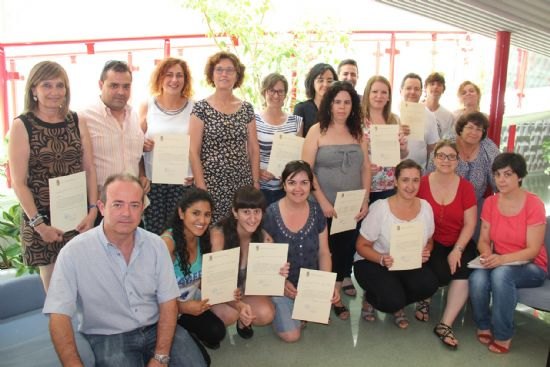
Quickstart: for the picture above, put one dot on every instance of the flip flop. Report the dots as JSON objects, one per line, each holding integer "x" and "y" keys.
{"x": 400, "y": 319}
{"x": 497, "y": 348}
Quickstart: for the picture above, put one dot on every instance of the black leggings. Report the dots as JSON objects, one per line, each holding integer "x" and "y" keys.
{"x": 207, "y": 327}
{"x": 440, "y": 266}
{"x": 342, "y": 248}
{"x": 390, "y": 291}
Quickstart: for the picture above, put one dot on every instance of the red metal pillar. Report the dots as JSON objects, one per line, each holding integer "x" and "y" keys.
{"x": 511, "y": 138}
{"x": 499, "y": 85}
{"x": 4, "y": 93}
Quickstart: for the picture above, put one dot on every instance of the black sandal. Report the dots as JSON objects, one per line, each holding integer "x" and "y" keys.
{"x": 445, "y": 332}
{"x": 422, "y": 311}
{"x": 342, "y": 312}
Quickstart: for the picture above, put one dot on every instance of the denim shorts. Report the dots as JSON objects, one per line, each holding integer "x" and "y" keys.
{"x": 283, "y": 321}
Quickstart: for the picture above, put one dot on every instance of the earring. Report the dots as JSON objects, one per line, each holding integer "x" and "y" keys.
{"x": 35, "y": 98}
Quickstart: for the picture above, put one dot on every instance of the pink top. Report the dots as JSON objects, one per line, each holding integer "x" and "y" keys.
{"x": 449, "y": 218}
{"x": 509, "y": 233}
{"x": 117, "y": 147}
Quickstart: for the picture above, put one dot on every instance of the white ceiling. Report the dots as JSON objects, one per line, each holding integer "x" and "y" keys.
{"x": 527, "y": 20}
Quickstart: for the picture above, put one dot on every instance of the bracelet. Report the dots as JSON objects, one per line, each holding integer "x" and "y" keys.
{"x": 382, "y": 260}
{"x": 37, "y": 220}
{"x": 92, "y": 206}
{"x": 459, "y": 248}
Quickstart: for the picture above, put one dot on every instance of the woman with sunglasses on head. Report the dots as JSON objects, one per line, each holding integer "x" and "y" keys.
{"x": 512, "y": 253}
{"x": 268, "y": 122}
{"x": 453, "y": 202}
{"x": 188, "y": 238}
{"x": 299, "y": 222}
{"x": 224, "y": 152}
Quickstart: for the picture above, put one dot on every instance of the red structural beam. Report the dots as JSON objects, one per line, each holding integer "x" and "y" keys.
{"x": 511, "y": 138}
{"x": 496, "y": 111}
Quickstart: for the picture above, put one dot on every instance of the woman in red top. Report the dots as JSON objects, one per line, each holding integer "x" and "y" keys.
{"x": 512, "y": 252}
{"x": 453, "y": 202}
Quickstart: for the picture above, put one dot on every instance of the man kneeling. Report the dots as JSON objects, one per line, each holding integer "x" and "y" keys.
{"x": 119, "y": 279}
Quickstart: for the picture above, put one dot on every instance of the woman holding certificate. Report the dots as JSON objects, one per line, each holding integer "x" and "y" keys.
{"x": 453, "y": 202}
{"x": 187, "y": 238}
{"x": 166, "y": 112}
{"x": 512, "y": 253}
{"x": 338, "y": 153}
{"x": 300, "y": 223}
{"x": 239, "y": 229}
{"x": 386, "y": 289}
{"x": 376, "y": 107}
{"x": 224, "y": 151}
{"x": 46, "y": 141}
{"x": 268, "y": 122}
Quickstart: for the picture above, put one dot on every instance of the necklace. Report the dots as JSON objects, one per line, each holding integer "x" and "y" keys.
{"x": 170, "y": 112}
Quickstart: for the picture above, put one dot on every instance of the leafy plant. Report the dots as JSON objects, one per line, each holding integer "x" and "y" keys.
{"x": 239, "y": 27}
{"x": 10, "y": 244}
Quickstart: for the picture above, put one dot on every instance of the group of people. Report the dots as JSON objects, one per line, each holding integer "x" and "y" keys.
{"x": 229, "y": 199}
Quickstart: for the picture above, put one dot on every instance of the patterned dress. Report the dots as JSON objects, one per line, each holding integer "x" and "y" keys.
{"x": 55, "y": 150}
{"x": 224, "y": 156}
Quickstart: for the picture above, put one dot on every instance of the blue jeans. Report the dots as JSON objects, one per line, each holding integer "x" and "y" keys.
{"x": 502, "y": 282}
{"x": 136, "y": 348}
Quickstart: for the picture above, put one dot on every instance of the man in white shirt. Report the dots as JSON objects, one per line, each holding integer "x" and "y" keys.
{"x": 435, "y": 87}
{"x": 419, "y": 150}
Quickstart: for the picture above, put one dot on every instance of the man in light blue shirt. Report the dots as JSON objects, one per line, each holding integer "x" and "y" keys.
{"x": 119, "y": 280}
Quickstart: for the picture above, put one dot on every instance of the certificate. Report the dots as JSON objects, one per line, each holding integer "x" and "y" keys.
{"x": 262, "y": 271}
{"x": 219, "y": 275}
{"x": 315, "y": 290}
{"x": 68, "y": 200}
{"x": 384, "y": 145}
{"x": 171, "y": 158}
{"x": 347, "y": 206}
{"x": 285, "y": 148}
{"x": 406, "y": 244}
{"x": 476, "y": 263}
{"x": 414, "y": 115}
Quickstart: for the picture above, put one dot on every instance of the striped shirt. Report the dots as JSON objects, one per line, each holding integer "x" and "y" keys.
{"x": 117, "y": 147}
{"x": 265, "y": 132}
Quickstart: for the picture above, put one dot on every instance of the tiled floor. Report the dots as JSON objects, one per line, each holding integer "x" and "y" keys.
{"x": 357, "y": 343}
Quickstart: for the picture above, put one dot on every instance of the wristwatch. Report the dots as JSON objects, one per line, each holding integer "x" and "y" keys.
{"x": 162, "y": 358}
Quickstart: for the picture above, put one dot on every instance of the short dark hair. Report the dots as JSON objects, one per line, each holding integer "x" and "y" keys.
{"x": 477, "y": 118}
{"x": 124, "y": 177}
{"x": 313, "y": 73}
{"x": 411, "y": 76}
{"x": 406, "y": 164}
{"x": 347, "y": 62}
{"x": 292, "y": 168}
{"x": 354, "y": 121}
{"x": 515, "y": 161}
{"x": 216, "y": 59}
{"x": 115, "y": 65}
{"x": 435, "y": 78}
{"x": 249, "y": 197}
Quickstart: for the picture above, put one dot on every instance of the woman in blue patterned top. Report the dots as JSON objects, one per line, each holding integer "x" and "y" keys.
{"x": 300, "y": 223}
{"x": 187, "y": 238}
{"x": 268, "y": 122}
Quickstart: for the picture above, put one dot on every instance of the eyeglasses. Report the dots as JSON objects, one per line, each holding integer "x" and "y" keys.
{"x": 228, "y": 71}
{"x": 443, "y": 156}
{"x": 279, "y": 92}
